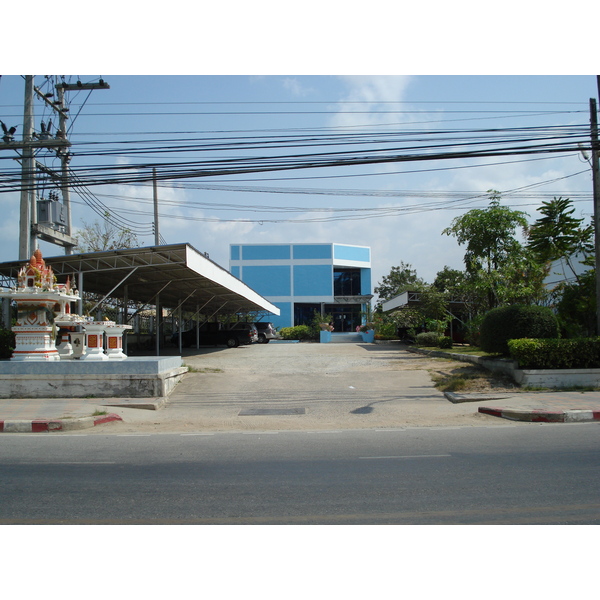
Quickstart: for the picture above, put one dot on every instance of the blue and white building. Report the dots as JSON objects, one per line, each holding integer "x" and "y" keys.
{"x": 333, "y": 279}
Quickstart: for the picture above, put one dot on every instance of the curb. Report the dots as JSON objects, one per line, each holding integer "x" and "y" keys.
{"x": 542, "y": 416}
{"x": 148, "y": 404}
{"x": 474, "y": 397}
{"x": 44, "y": 425}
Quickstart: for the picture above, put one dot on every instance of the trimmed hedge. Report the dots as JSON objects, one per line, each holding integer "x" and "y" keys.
{"x": 516, "y": 322}
{"x": 445, "y": 342}
{"x": 298, "y": 332}
{"x": 428, "y": 338}
{"x": 581, "y": 353}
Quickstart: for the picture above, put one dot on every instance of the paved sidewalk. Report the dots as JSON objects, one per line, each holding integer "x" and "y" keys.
{"x": 301, "y": 387}
{"x": 58, "y": 414}
{"x": 536, "y": 407}
{"x": 44, "y": 415}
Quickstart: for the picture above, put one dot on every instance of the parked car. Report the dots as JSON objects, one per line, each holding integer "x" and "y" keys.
{"x": 212, "y": 334}
{"x": 247, "y": 331}
{"x": 266, "y": 332}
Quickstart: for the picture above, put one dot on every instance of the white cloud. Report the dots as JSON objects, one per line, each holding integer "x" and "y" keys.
{"x": 370, "y": 91}
{"x": 294, "y": 86}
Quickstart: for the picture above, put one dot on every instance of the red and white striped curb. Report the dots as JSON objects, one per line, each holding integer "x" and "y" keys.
{"x": 42, "y": 425}
{"x": 543, "y": 416}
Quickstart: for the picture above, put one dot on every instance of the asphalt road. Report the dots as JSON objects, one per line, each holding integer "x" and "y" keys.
{"x": 545, "y": 474}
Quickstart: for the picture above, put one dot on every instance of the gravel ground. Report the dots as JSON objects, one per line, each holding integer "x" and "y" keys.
{"x": 283, "y": 386}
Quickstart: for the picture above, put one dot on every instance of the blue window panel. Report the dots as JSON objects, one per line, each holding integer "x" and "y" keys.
{"x": 313, "y": 280}
{"x": 268, "y": 280}
{"x": 235, "y": 253}
{"x": 285, "y": 315}
{"x": 235, "y": 271}
{"x": 312, "y": 251}
{"x": 352, "y": 253}
{"x": 268, "y": 252}
{"x": 365, "y": 282}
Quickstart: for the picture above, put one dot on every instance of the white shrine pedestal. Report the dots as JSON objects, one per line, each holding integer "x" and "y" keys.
{"x": 114, "y": 340}
{"x": 94, "y": 340}
{"x": 68, "y": 323}
{"x": 34, "y": 331}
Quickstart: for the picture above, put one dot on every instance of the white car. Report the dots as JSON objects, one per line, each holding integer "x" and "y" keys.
{"x": 266, "y": 332}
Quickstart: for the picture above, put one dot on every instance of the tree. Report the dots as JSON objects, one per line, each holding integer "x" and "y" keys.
{"x": 455, "y": 283}
{"x": 492, "y": 251}
{"x": 560, "y": 236}
{"x": 104, "y": 236}
{"x": 402, "y": 278}
{"x": 576, "y": 306}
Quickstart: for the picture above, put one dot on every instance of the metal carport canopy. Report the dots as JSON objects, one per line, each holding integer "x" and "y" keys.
{"x": 180, "y": 274}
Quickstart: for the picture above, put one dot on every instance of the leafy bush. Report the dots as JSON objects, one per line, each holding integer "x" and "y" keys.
{"x": 445, "y": 342}
{"x": 582, "y": 353}
{"x": 7, "y": 343}
{"x": 473, "y": 330}
{"x": 315, "y": 325}
{"x": 298, "y": 332}
{"x": 515, "y": 322}
{"x": 428, "y": 338}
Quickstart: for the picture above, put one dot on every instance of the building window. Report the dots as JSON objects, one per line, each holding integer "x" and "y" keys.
{"x": 346, "y": 282}
{"x": 304, "y": 312}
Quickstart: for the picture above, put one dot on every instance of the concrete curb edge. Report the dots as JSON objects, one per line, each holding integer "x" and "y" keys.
{"x": 542, "y": 416}
{"x": 46, "y": 425}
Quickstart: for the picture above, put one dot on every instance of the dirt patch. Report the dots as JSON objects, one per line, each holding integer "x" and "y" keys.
{"x": 470, "y": 378}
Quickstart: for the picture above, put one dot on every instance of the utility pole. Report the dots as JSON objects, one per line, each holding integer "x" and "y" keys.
{"x": 29, "y": 227}
{"x": 155, "y": 189}
{"x": 27, "y": 175}
{"x": 596, "y": 191}
{"x": 65, "y": 157}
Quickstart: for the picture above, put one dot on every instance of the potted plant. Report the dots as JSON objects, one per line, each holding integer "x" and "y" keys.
{"x": 367, "y": 332}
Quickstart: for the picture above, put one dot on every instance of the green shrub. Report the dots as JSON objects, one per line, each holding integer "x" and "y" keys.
{"x": 298, "y": 332}
{"x": 472, "y": 330}
{"x": 428, "y": 338}
{"x": 582, "y": 353}
{"x": 445, "y": 342}
{"x": 7, "y": 343}
{"x": 515, "y": 322}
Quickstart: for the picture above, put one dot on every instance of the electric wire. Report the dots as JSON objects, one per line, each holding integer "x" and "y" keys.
{"x": 217, "y": 156}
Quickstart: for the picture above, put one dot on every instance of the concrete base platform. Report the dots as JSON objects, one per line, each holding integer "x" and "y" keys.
{"x": 135, "y": 377}
{"x": 346, "y": 338}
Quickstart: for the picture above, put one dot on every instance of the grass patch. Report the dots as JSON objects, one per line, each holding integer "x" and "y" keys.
{"x": 203, "y": 369}
{"x": 458, "y": 379}
{"x": 467, "y": 378}
{"x": 470, "y": 350}
{"x": 99, "y": 413}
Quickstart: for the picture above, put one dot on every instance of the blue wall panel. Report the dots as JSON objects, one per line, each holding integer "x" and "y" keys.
{"x": 312, "y": 251}
{"x": 235, "y": 253}
{"x": 351, "y": 253}
{"x": 268, "y": 280}
{"x": 365, "y": 282}
{"x": 313, "y": 280}
{"x": 270, "y": 252}
{"x": 235, "y": 271}
{"x": 284, "y": 319}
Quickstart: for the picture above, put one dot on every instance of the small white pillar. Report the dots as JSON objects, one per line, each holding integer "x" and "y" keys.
{"x": 94, "y": 340}
{"x": 114, "y": 341}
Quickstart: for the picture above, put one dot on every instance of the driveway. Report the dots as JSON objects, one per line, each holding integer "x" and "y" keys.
{"x": 299, "y": 386}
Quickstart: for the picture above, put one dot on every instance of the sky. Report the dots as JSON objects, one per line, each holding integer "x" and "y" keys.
{"x": 256, "y": 207}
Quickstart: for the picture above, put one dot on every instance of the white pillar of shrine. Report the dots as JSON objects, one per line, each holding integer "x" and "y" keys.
{"x": 114, "y": 341}
{"x": 94, "y": 340}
